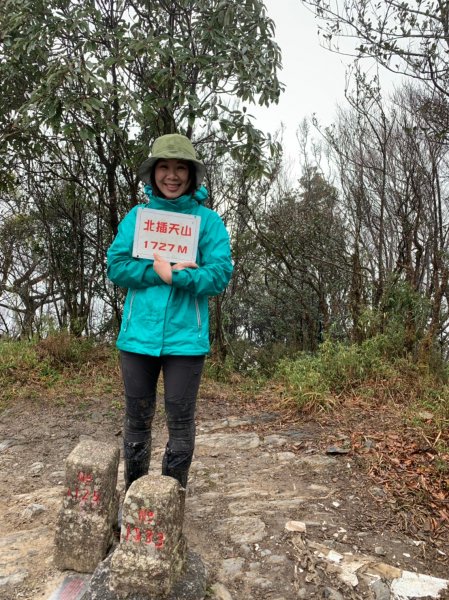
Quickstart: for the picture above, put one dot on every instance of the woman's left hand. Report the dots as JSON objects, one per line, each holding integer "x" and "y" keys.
{"x": 164, "y": 269}
{"x": 188, "y": 264}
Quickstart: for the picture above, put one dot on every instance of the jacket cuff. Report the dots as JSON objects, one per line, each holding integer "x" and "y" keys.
{"x": 180, "y": 279}
{"x": 150, "y": 277}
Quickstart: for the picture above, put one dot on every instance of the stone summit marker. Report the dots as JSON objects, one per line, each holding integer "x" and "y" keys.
{"x": 84, "y": 530}
{"x": 152, "y": 552}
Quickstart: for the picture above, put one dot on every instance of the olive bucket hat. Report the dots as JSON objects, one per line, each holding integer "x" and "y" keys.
{"x": 172, "y": 145}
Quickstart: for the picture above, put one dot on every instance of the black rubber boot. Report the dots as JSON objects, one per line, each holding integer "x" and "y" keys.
{"x": 173, "y": 465}
{"x": 137, "y": 461}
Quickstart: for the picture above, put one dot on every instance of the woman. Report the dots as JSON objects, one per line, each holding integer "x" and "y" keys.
{"x": 165, "y": 323}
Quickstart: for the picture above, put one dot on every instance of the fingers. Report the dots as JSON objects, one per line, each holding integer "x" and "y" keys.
{"x": 189, "y": 264}
{"x": 185, "y": 265}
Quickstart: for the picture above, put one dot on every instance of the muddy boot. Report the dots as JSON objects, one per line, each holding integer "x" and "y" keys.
{"x": 137, "y": 461}
{"x": 174, "y": 465}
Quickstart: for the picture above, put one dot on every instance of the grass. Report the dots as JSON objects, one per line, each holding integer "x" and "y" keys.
{"x": 56, "y": 369}
{"x": 61, "y": 368}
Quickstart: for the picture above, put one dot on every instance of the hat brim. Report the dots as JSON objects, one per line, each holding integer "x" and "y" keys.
{"x": 144, "y": 171}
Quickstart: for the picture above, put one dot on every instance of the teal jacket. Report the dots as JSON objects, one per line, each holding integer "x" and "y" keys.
{"x": 160, "y": 319}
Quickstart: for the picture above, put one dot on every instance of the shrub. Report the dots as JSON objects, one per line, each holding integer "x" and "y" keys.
{"x": 59, "y": 362}
{"x": 62, "y": 349}
{"x": 334, "y": 369}
{"x": 304, "y": 381}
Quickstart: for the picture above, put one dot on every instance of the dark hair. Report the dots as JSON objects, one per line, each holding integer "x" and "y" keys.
{"x": 192, "y": 177}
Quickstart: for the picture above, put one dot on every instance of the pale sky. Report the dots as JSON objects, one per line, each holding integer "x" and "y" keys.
{"x": 314, "y": 76}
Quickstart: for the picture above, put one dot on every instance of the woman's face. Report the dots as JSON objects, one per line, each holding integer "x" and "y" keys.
{"x": 171, "y": 177}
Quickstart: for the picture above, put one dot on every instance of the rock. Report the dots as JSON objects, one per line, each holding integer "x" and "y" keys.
{"x": 14, "y": 579}
{"x": 321, "y": 489}
{"x": 295, "y": 434}
{"x": 33, "y": 510}
{"x": 190, "y": 586}
{"x": 425, "y": 415}
{"x": 57, "y": 476}
{"x": 384, "y": 571}
{"x": 225, "y": 443}
{"x": 277, "y": 559}
{"x": 22, "y": 550}
{"x": 334, "y": 556}
{"x": 295, "y": 526}
{"x": 414, "y": 585}
{"x": 84, "y": 530}
{"x": 247, "y": 492}
{"x": 316, "y": 461}
{"x": 337, "y": 450}
{"x": 264, "y": 584}
{"x": 332, "y": 594}
{"x": 243, "y": 530}
{"x": 36, "y": 469}
{"x": 267, "y": 417}
{"x": 284, "y": 456}
{"x": 237, "y": 422}
{"x": 267, "y": 506}
{"x": 152, "y": 552}
{"x": 6, "y": 444}
{"x": 96, "y": 417}
{"x": 378, "y": 492}
{"x": 231, "y": 567}
{"x": 220, "y": 592}
{"x": 381, "y": 590}
{"x": 379, "y": 550}
{"x": 275, "y": 440}
{"x": 208, "y": 426}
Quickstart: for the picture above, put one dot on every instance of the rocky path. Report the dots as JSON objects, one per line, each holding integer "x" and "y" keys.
{"x": 275, "y": 513}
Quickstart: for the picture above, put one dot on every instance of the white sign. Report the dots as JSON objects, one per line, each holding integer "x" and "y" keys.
{"x": 174, "y": 236}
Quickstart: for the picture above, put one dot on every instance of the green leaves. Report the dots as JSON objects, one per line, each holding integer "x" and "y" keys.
{"x": 87, "y": 86}
{"x": 122, "y": 65}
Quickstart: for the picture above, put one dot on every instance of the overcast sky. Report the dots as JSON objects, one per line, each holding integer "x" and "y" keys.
{"x": 314, "y": 77}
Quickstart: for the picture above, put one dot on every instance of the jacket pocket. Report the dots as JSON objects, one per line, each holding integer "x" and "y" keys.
{"x": 130, "y": 310}
{"x": 199, "y": 321}
{"x": 198, "y": 314}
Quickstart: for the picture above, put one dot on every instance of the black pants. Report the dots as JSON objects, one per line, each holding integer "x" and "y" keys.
{"x": 182, "y": 375}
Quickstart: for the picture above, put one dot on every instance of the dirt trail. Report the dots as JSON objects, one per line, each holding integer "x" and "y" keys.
{"x": 251, "y": 475}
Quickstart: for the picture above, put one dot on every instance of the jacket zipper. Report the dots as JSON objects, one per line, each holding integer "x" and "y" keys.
{"x": 165, "y": 316}
{"x": 131, "y": 302}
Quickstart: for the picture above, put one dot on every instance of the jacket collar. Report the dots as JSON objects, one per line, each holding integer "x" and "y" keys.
{"x": 181, "y": 204}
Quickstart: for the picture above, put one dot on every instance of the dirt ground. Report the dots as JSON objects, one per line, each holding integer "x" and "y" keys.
{"x": 327, "y": 472}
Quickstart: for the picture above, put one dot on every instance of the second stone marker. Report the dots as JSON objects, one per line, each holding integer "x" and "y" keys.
{"x": 84, "y": 530}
